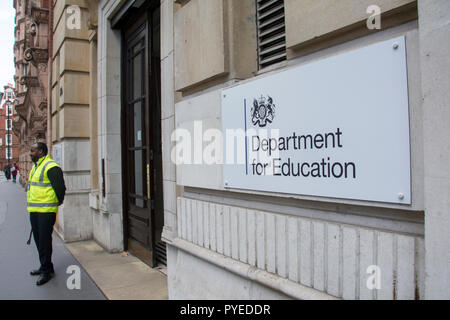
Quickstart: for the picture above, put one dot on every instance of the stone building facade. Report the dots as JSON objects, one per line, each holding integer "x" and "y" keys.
{"x": 152, "y": 67}
{"x": 9, "y": 148}
{"x": 232, "y": 243}
{"x": 32, "y": 82}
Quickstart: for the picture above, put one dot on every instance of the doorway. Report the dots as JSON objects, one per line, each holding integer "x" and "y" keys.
{"x": 141, "y": 133}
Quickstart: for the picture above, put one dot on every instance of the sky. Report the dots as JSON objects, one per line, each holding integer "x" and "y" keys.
{"x": 7, "y": 70}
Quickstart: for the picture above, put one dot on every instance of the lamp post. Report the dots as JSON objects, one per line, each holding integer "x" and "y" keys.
{"x": 8, "y": 104}
{"x": 7, "y": 128}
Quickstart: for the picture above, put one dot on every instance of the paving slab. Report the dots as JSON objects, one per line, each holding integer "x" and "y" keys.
{"x": 120, "y": 277}
{"x": 17, "y": 258}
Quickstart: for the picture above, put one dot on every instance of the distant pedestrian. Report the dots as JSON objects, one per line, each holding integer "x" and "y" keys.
{"x": 45, "y": 192}
{"x": 7, "y": 171}
{"x": 14, "y": 170}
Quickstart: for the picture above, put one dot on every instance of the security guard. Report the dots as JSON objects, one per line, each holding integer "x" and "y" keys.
{"x": 45, "y": 192}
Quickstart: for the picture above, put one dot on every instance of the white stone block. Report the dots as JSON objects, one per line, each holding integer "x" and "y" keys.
{"x": 206, "y": 225}
{"x": 226, "y": 231}
{"x": 188, "y": 220}
{"x": 167, "y": 128}
{"x": 113, "y": 154}
{"x": 76, "y": 155}
{"x": 179, "y": 214}
{"x": 194, "y": 222}
{"x": 366, "y": 259}
{"x": 113, "y": 183}
{"x": 242, "y": 234}
{"x": 116, "y": 227}
{"x": 349, "y": 259}
{"x": 260, "y": 241}
{"x": 114, "y": 203}
{"x": 306, "y": 261}
{"x": 112, "y": 115}
{"x": 166, "y": 28}
{"x": 220, "y": 235}
{"x": 420, "y": 268}
{"x": 281, "y": 246}
{"x": 293, "y": 236}
{"x": 234, "y": 233}
{"x": 385, "y": 259}
{"x": 200, "y": 231}
{"x": 167, "y": 88}
{"x": 251, "y": 237}
{"x": 319, "y": 255}
{"x": 213, "y": 227}
{"x": 183, "y": 219}
{"x": 333, "y": 259}
{"x": 405, "y": 268}
{"x": 94, "y": 201}
{"x": 270, "y": 243}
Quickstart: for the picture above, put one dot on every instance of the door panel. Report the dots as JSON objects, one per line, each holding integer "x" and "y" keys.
{"x": 136, "y": 113}
{"x": 141, "y": 134}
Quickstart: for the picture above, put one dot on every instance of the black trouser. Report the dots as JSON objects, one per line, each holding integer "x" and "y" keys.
{"x": 42, "y": 225}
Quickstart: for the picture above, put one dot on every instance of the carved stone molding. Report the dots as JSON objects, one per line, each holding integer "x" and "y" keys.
{"x": 42, "y": 67}
{"x": 39, "y": 127}
{"x": 16, "y": 126}
{"x": 19, "y": 42}
{"x": 43, "y": 105}
{"x": 29, "y": 81}
{"x": 21, "y": 111}
{"x": 40, "y": 15}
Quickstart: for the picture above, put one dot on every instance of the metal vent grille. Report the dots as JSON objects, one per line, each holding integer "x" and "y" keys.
{"x": 271, "y": 32}
{"x": 161, "y": 256}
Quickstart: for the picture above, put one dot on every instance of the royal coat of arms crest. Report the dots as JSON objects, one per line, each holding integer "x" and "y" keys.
{"x": 263, "y": 111}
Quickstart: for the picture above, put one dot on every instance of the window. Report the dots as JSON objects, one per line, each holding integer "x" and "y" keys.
{"x": 9, "y": 153}
{"x": 9, "y": 111}
{"x": 8, "y": 124}
{"x": 1, "y": 142}
{"x": 9, "y": 95}
{"x": 8, "y": 139}
{"x": 271, "y": 32}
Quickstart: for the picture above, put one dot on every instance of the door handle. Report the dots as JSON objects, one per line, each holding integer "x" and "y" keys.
{"x": 148, "y": 182}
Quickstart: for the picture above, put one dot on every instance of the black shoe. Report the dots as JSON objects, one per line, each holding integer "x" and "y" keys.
{"x": 44, "y": 278}
{"x": 35, "y": 272}
{"x": 38, "y": 272}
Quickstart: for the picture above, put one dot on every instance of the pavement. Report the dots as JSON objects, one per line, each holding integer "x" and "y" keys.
{"x": 103, "y": 275}
{"x": 121, "y": 276}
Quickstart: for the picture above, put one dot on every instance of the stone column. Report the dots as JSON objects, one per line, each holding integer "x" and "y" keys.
{"x": 93, "y": 23}
{"x": 168, "y": 120}
{"x": 434, "y": 29}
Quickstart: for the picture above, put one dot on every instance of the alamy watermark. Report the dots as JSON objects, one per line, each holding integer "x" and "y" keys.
{"x": 74, "y": 280}
{"x": 374, "y": 280}
{"x": 73, "y": 21}
{"x": 374, "y": 20}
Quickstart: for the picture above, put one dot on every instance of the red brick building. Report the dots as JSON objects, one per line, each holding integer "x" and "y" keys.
{"x": 9, "y": 143}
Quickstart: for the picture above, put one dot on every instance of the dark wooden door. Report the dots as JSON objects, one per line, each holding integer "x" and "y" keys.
{"x": 138, "y": 147}
{"x": 141, "y": 135}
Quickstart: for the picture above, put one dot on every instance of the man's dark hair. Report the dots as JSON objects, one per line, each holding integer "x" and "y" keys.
{"x": 43, "y": 147}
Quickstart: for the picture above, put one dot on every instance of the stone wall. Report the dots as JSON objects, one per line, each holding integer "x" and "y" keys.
{"x": 271, "y": 244}
{"x": 70, "y": 115}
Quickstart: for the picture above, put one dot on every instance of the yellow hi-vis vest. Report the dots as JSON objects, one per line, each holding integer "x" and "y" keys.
{"x": 40, "y": 195}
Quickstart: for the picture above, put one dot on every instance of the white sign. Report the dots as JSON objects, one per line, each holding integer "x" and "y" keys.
{"x": 337, "y": 127}
{"x": 57, "y": 156}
